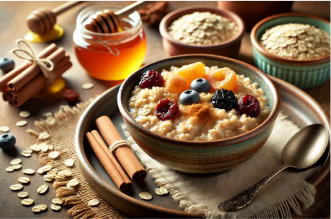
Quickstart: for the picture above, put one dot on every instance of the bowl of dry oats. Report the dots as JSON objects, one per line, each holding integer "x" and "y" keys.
{"x": 294, "y": 47}
{"x": 203, "y": 30}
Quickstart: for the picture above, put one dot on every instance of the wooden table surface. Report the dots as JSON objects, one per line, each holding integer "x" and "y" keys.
{"x": 12, "y": 27}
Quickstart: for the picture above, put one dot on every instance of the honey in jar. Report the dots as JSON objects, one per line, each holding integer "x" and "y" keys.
{"x": 110, "y": 56}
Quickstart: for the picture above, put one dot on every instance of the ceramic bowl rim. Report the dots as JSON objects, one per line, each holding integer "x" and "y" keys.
{"x": 174, "y": 14}
{"x": 273, "y": 57}
{"x": 210, "y": 144}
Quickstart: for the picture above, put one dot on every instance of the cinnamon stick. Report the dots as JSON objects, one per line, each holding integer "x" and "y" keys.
{"x": 36, "y": 84}
{"x": 118, "y": 167}
{"x": 28, "y": 74}
{"x": 12, "y": 74}
{"x": 106, "y": 162}
{"x": 124, "y": 154}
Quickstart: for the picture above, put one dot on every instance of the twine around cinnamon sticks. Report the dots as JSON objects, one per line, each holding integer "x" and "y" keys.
{"x": 115, "y": 157}
{"x": 36, "y": 73}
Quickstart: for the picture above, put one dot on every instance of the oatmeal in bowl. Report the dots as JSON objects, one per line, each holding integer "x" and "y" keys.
{"x": 199, "y": 113}
{"x": 207, "y": 103}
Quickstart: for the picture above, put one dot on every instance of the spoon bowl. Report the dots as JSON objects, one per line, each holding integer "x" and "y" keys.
{"x": 306, "y": 147}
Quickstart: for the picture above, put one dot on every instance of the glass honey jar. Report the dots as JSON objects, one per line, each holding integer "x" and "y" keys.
{"x": 110, "y": 56}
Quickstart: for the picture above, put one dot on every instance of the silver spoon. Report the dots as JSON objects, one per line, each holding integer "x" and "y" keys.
{"x": 302, "y": 151}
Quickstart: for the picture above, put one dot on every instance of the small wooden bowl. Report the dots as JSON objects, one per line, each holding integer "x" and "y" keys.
{"x": 200, "y": 157}
{"x": 301, "y": 73}
{"x": 229, "y": 48}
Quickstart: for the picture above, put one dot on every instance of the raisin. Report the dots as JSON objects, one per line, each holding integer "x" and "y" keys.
{"x": 71, "y": 96}
{"x": 224, "y": 99}
{"x": 166, "y": 109}
{"x": 249, "y": 105}
{"x": 151, "y": 79}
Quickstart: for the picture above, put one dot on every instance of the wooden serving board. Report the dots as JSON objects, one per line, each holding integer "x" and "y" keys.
{"x": 299, "y": 106}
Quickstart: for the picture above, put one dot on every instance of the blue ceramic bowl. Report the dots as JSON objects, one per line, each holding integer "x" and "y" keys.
{"x": 303, "y": 74}
{"x": 200, "y": 156}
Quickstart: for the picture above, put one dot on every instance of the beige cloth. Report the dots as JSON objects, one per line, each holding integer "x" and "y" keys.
{"x": 287, "y": 192}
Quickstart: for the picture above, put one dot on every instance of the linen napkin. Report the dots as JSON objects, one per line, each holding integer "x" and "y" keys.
{"x": 285, "y": 193}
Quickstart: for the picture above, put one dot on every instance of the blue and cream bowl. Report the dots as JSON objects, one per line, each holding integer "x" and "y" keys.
{"x": 301, "y": 73}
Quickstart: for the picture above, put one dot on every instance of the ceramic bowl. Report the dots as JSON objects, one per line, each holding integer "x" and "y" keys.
{"x": 200, "y": 156}
{"x": 303, "y": 74}
{"x": 229, "y": 48}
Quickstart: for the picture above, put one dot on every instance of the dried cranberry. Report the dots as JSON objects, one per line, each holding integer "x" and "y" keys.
{"x": 151, "y": 79}
{"x": 166, "y": 109}
{"x": 71, "y": 96}
{"x": 249, "y": 105}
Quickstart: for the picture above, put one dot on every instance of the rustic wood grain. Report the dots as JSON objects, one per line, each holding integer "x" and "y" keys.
{"x": 12, "y": 27}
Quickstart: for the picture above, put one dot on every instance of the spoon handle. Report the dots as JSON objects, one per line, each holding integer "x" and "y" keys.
{"x": 244, "y": 198}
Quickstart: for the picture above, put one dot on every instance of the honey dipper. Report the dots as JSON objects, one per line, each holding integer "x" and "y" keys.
{"x": 41, "y": 21}
{"x": 108, "y": 21}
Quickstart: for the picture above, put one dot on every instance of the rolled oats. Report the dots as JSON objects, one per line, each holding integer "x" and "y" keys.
{"x": 53, "y": 154}
{"x": 21, "y": 123}
{"x": 42, "y": 189}
{"x": 57, "y": 201}
{"x": 16, "y": 187}
{"x": 28, "y": 171}
{"x": 24, "y": 114}
{"x": 10, "y": 169}
{"x": 69, "y": 162}
{"x": 296, "y": 41}
{"x": 23, "y": 194}
{"x": 94, "y": 202}
{"x": 16, "y": 161}
{"x": 26, "y": 153}
{"x": 24, "y": 180}
{"x": 17, "y": 166}
{"x": 4, "y": 129}
{"x": 39, "y": 208}
{"x": 145, "y": 196}
{"x": 73, "y": 183}
{"x": 55, "y": 207}
{"x": 203, "y": 29}
{"x": 27, "y": 202}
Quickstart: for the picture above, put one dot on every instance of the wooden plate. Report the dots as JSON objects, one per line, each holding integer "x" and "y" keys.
{"x": 300, "y": 107}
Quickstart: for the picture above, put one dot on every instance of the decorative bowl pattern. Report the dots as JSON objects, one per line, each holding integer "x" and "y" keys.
{"x": 200, "y": 156}
{"x": 303, "y": 74}
{"x": 229, "y": 48}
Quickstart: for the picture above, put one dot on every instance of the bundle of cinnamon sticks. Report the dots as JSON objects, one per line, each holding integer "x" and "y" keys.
{"x": 23, "y": 82}
{"x": 113, "y": 161}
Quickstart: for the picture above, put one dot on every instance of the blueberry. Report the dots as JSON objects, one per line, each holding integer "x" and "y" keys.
{"x": 7, "y": 141}
{"x": 6, "y": 64}
{"x": 189, "y": 97}
{"x": 200, "y": 85}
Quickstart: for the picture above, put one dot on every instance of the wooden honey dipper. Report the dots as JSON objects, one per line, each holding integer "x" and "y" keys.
{"x": 108, "y": 21}
{"x": 41, "y": 21}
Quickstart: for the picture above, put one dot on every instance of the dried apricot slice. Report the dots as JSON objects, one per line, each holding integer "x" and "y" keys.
{"x": 228, "y": 79}
{"x": 176, "y": 84}
{"x": 192, "y": 71}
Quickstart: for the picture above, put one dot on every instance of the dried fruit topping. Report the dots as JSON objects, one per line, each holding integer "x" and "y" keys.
{"x": 71, "y": 96}
{"x": 188, "y": 97}
{"x": 224, "y": 99}
{"x": 192, "y": 71}
{"x": 166, "y": 109}
{"x": 176, "y": 83}
{"x": 151, "y": 79}
{"x": 249, "y": 105}
{"x": 223, "y": 78}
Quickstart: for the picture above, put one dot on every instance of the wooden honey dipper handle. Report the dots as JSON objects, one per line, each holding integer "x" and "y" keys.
{"x": 65, "y": 7}
{"x": 132, "y": 7}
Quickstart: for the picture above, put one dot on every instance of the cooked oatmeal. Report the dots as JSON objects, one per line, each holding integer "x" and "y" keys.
{"x": 200, "y": 121}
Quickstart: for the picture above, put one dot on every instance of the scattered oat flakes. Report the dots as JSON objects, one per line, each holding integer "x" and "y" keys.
{"x": 73, "y": 183}
{"x": 65, "y": 173}
{"x": 17, "y": 166}
{"x": 23, "y": 194}
{"x": 94, "y": 202}
{"x": 4, "y": 129}
{"x": 21, "y": 123}
{"x": 35, "y": 148}
{"x": 28, "y": 171}
{"x": 39, "y": 208}
{"x": 50, "y": 147}
{"x": 87, "y": 86}
{"x": 47, "y": 114}
{"x": 24, "y": 180}
{"x": 57, "y": 201}
{"x": 24, "y": 114}
{"x": 44, "y": 136}
{"x": 49, "y": 177}
{"x": 45, "y": 169}
{"x": 42, "y": 189}
{"x": 16, "y": 161}
{"x": 26, "y": 153}
{"x": 55, "y": 207}
{"x": 53, "y": 154}
{"x": 10, "y": 169}
{"x": 145, "y": 196}
{"x": 161, "y": 191}
{"x": 16, "y": 187}
{"x": 69, "y": 162}
{"x": 27, "y": 202}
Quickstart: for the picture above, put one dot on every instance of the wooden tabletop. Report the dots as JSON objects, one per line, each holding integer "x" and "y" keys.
{"x": 12, "y": 27}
